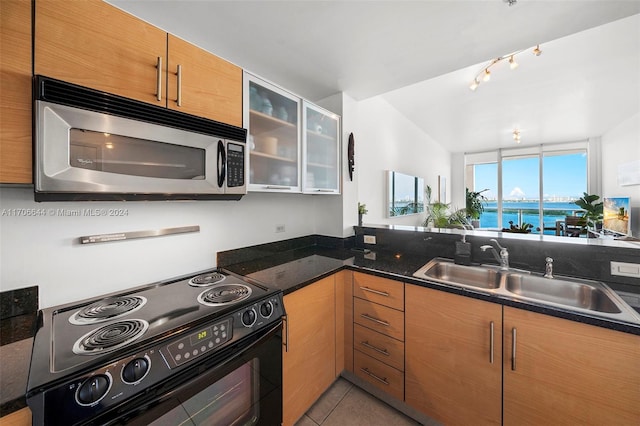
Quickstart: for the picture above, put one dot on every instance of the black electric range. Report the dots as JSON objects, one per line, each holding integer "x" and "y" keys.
{"x": 93, "y": 355}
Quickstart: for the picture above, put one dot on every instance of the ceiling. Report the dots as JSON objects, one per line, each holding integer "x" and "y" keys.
{"x": 422, "y": 55}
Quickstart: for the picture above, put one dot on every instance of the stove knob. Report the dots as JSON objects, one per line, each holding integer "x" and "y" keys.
{"x": 249, "y": 317}
{"x": 266, "y": 309}
{"x": 135, "y": 370}
{"x": 93, "y": 389}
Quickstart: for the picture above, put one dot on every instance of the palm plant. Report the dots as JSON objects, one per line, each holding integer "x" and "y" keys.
{"x": 592, "y": 213}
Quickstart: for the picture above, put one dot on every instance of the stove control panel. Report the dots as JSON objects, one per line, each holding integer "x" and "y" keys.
{"x": 200, "y": 342}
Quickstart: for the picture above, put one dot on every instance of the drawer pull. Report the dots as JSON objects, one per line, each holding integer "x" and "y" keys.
{"x": 370, "y": 290}
{"x": 370, "y": 374}
{"x": 376, "y": 320}
{"x": 370, "y": 346}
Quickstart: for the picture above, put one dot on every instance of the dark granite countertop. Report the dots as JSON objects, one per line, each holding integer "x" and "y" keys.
{"x": 293, "y": 269}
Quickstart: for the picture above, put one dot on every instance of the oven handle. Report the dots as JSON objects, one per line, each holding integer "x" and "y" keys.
{"x": 152, "y": 404}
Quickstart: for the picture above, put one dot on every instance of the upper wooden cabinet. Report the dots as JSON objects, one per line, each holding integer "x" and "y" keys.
{"x": 15, "y": 92}
{"x": 96, "y": 45}
{"x": 202, "y": 84}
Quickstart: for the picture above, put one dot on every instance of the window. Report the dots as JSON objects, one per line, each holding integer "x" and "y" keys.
{"x": 533, "y": 185}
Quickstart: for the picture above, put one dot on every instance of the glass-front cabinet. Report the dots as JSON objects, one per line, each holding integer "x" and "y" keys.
{"x": 321, "y": 154}
{"x": 294, "y": 145}
{"x": 273, "y": 122}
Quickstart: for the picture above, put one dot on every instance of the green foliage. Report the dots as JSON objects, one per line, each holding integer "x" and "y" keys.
{"x": 592, "y": 213}
{"x": 362, "y": 208}
{"x": 475, "y": 203}
{"x": 525, "y": 228}
{"x": 439, "y": 215}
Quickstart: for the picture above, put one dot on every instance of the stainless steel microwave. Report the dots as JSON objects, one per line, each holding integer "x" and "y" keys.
{"x": 91, "y": 145}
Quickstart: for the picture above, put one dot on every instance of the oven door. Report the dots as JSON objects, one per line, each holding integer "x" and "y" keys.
{"x": 243, "y": 388}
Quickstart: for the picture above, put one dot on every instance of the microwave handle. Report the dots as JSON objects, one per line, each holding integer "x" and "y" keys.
{"x": 222, "y": 163}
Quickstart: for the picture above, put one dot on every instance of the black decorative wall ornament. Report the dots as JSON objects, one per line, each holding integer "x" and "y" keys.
{"x": 350, "y": 155}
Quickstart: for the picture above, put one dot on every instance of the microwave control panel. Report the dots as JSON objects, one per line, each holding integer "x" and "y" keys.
{"x": 235, "y": 165}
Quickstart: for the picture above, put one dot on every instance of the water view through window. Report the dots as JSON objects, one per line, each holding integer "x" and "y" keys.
{"x": 563, "y": 181}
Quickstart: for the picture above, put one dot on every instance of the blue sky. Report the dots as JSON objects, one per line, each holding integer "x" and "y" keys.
{"x": 564, "y": 176}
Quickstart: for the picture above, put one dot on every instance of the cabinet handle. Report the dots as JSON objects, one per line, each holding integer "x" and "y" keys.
{"x": 491, "y": 342}
{"x": 159, "y": 79}
{"x": 370, "y": 346}
{"x": 276, "y": 187}
{"x": 369, "y": 373}
{"x": 513, "y": 349}
{"x": 365, "y": 316}
{"x": 325, "y": 190}
{"x": 286, "y": 325}
{"x": 179, "y": 74}
{"x": 370, "y": 290}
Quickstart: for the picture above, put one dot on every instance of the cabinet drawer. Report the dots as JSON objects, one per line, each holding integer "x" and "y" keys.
{"x": 379, "y": 290}
{"x": 380, "y": 318}
{"x": 378, "y": 346}
{"x": 380, "y": 375}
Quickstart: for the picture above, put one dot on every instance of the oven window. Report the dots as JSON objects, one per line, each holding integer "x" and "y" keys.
{"x": 125, "y": 155}
{"x": 232, "y": 400}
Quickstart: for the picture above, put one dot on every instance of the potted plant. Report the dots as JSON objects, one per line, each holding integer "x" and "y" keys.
{"x": 475, "y": 205}
{"x": 439, "y": 216}
{"x": 362, "y": 209}
{"x": 592, "y": 212}
{"x": 525, "y": 228}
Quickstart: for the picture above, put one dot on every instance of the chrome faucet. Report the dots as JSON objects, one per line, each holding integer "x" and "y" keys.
{"x": 548, "y": 269}
{"x": 502, "y": 258}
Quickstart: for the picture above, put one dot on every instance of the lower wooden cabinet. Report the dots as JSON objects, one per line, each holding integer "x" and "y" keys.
{"x": 453, "y": 370}
{"x": 310, "y": 347}
{"x": 568, "y": 373}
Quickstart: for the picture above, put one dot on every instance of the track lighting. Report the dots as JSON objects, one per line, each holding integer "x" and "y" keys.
{"x": 485, "y": 74}
{"x": 537, "y": 51}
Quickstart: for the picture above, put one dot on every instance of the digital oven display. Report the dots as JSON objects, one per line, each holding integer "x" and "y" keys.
{"x": 198, "y": 343}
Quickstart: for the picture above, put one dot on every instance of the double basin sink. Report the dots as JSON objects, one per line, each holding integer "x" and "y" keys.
{"x": 575, "y": 294}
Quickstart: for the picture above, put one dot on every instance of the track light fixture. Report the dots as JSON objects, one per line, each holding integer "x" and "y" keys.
{"x": 485, "y": 74}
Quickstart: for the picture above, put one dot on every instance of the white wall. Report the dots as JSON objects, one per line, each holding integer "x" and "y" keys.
{"x": 42, "y": 250}
{"x": 621, "y": 145}
{"x": 387, "y": 140}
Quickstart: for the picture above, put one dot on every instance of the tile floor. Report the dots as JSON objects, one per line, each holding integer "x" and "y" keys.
{"x": 345, "y": 404}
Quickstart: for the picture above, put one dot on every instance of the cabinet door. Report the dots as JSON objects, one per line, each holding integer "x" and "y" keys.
{"x": 205, "y": 85}
{"x": 273, "y": 119}
{"x": 94, "y": 44}
{"x": 566, "y": 372}
{"x": 309, "y": 355}
{"x": 15, "y": 92}
{"x": 453, "y": 369}
{"x": 321, "y": 157}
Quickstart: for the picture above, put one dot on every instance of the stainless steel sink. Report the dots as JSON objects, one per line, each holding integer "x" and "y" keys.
{"x": 445, "y": 271}
{"x": 582, "y": 294}
{"x": 575, "y": 294}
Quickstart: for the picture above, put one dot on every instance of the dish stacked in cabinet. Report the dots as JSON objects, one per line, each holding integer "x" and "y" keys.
{"x": 378, "y": 332}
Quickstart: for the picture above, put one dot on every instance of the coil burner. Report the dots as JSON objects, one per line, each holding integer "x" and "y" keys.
{"x": 107, "y": 309}
{"x": 206, "y": 280}
{"x": 110, "y": 337}
{"x": 224, "y": 294}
